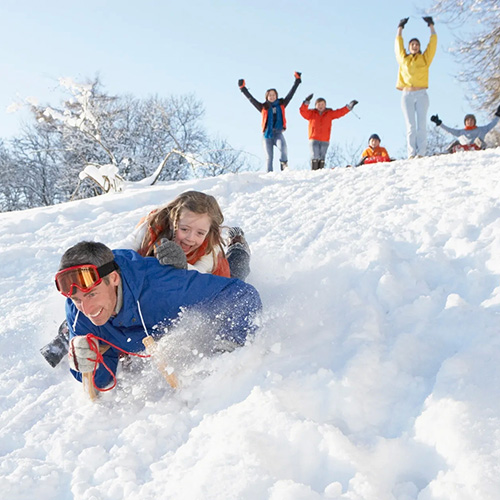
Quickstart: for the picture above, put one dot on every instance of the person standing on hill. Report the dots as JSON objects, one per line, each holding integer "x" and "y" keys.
{"x": 273, "y": 120}
{"x": 320, "y": 127}
{"x": 413, "y": 81}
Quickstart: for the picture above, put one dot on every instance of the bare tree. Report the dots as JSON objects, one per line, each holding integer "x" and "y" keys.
{"x": 343, "y": 155}
{"x": 219, "y": 158}
{"x": 93, "y": 142}
{"x": 438, "y": 141}
{"x": 478, "y": 49}
{"x": 11, "y": 197}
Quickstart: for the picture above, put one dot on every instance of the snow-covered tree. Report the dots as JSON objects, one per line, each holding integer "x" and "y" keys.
{"x": 477, "y": 27}
{"x": 93, "y": 142}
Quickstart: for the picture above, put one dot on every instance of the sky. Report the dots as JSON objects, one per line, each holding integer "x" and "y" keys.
{"x": 374, "y": 373}
{"x": 343, "y": 49}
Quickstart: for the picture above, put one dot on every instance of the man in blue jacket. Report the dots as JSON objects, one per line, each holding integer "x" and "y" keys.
{"x": 122, "y": 297}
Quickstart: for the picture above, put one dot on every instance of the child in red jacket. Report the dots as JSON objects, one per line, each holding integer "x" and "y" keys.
{"x": 320, "y": 127}
{"x": 374, "y": 153}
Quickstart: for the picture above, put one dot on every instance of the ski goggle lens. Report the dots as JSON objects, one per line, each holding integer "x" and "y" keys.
{"x": 84, "y": 277}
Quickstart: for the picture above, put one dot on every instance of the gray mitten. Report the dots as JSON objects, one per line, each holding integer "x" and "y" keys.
{"x": 81, "y": 357}
{"x": 169, "y": 253}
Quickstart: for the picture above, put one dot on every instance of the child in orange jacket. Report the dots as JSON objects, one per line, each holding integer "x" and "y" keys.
{"x": 374, "y": 153}
{"x": 320, "y": 127}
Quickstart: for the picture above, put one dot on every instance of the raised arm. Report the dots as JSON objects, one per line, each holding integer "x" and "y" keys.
{"x": 399, "y": 44}
{"x": 258, "y": 105}
{"x": 296, "y": 84}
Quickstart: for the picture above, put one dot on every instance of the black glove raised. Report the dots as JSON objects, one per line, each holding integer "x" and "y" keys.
{"x": 436, "y": 120}
{"x": 403, "y": 22}
{"x": 498, "y": 111}
{"x": 428, "y": 20}
{"x": 169, "y": 253}
{"x": 241, "y": 83}
{"x": 298, "y": 75}
{"x": 352, "y": 104}
{"x": 308, "y": 99}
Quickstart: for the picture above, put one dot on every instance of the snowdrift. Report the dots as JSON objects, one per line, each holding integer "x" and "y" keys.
{"x": 375, "y": 374}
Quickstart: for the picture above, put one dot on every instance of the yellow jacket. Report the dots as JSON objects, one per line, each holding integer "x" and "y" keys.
{"x": 414, "y": 69}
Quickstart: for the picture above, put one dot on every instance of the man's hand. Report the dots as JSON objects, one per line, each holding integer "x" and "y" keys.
{"x": 308, "y": 99}
{"x": 403, "y": 22}
{"x": 298, "y": 75}
{"x": 435, "y": 119}
{"x": 352, "y": 104}
{"x": 169, "y": 253}
{"x": 81, "y": 357}
{"x": 428, "y": 20}
{"x": 241, "y": 83}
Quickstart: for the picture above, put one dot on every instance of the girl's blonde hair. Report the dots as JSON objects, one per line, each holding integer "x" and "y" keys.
{"x": 163, "y": 222}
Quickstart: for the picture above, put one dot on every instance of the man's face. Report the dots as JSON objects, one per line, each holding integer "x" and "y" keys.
{"x": 98, "y": 304}
{"x": 374, "y": 143}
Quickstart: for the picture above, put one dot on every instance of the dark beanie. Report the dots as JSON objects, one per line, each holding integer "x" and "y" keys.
{"x": 374, "y": 136}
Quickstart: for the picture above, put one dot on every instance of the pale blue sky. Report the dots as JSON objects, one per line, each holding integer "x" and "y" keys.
{"x": 343, "y": 49}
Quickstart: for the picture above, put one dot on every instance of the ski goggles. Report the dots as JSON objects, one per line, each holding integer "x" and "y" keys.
{"x": 84, "y": 277}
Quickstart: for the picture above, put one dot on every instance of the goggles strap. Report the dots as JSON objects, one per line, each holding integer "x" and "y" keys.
{"x": 107, "y": 268}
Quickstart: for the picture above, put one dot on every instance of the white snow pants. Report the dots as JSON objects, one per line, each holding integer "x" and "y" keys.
{"x": 415, "y": 105}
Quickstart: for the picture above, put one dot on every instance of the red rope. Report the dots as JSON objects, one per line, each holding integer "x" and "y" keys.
{"x": 94, "y": 347}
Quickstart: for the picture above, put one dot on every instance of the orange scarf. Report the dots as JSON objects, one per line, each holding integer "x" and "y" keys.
{"x": 221, "y": 266}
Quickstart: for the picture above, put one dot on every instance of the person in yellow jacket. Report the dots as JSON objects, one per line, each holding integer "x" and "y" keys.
{"x": 413, "y": 80}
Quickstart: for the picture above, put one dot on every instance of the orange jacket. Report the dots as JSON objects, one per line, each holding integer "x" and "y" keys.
{"x": 265, "y": 115}
{"x": 221, "y": 266}
{"x": 378, "y": 151}
{"x": 263, "y": 107}
{"x": 375, "y": 155}
{"x": 320, "y": 124}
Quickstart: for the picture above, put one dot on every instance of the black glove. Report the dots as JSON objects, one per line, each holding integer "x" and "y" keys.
{"x": 403, "y": 22}
{"x": 436, "y": 120}
{"x": 428, "y": 20}
{"x": 307, "y": 100}
{"x": 297, "y": 75}
{"x": 498, "y": 111}
{"x": 241, "y": 83}
{"x": 169, "y": 253}
{"x": 352, "y": 104}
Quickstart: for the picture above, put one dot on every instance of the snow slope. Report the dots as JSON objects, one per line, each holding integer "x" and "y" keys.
{"x": 375, "y": 374}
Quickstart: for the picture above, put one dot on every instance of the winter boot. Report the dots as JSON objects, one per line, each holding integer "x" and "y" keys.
{"x": 321, "y": 164}
{"x": 237, "y": 240}
{"x": 238, "y": 254}
{"x": 284, "y": 164}
{"x": 55, "y": 350}
{"x": 314, "y": 164}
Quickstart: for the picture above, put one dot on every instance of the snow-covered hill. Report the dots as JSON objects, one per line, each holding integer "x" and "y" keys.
{"x": 375, "y": 375}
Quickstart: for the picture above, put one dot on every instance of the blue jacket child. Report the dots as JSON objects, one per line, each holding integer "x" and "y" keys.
{"x": 143, "y": 294}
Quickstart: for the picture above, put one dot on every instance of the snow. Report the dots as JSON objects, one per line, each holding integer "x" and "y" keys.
{"x": 375, "y": 373}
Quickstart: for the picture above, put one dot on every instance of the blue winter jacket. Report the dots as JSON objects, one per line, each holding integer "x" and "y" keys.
{"x": 161, "y": 292}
